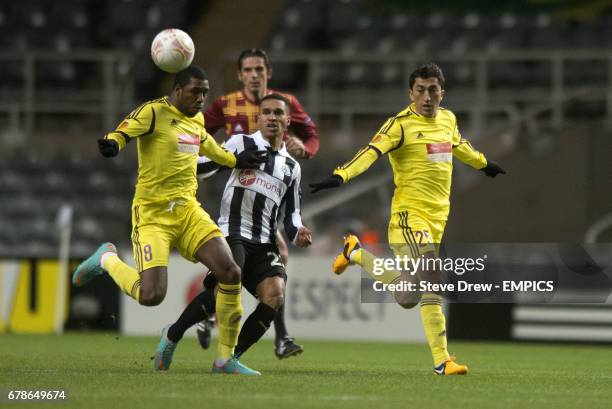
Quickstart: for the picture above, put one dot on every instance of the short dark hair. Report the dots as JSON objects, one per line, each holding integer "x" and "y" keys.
{"x": 182, "y": 78}
{"x": 430, "y": 70}
{"x": 278, "y": 97}
{"x": 254, "y": 52}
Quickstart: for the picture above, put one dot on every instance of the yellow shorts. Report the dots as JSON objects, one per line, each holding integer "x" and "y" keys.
{"x": 412, "y": 234}
{"x": 159, "y": 227}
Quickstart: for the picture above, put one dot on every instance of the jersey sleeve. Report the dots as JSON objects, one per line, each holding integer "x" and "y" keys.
{"x": 214, "y": 119}
{"x": 389, "y": 137}
{"x": 217, "y": 153}
{"x": 207, "y": 168}
{"x": 463, "y": 150}
{"x": 293, "y": 217}
{"x": 140, "y": 122}
{"x": 304, "y": 127}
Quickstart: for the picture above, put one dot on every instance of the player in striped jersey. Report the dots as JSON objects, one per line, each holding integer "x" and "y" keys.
{"x": 249, "y": 211}
{"x": 170, "y": 135}
{"x": 237, "y": 112}
{"x": 420, "y": 142}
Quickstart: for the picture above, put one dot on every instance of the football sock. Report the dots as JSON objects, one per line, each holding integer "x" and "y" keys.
{"x": 229, "y": 312}
{"x": 193, "y": 314}
{"x": 254, "y": 327}
{"x": 366, "y": 259}
{"x": 434, "y": 325}
{"x": 126, "y": 277}
{"x": 280, "y": 328}
{"x": 208, "y": 301}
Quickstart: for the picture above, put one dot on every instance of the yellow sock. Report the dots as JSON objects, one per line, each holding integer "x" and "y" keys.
{"x": 366, "y": 259}
{"x": 126, "y": 277}
{"x": 229, "y": 314}
{"x": 434, "y": 325}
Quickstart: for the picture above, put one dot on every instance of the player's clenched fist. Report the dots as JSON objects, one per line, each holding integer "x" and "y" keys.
{"x": 304, "y": 237}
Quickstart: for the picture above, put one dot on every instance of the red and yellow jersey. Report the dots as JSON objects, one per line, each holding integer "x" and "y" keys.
{"x": 238, "y": 115}
{"x": 169, "y": 144}
{"x": 420, "y": 151}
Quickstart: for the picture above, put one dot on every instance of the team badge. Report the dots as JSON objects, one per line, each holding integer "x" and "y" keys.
{"x": 377, "y": 138}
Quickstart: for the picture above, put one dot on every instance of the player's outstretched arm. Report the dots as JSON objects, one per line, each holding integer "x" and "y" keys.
{"x": 465, "y": 152}
{"x": 140, "y": 122}
{"x": 350, "y": 170}
{"x": 390, "y": 136}
{"x": 247, "y": 159}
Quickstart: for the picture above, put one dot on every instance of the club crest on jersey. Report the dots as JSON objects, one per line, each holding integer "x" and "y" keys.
{"x": 188, "y": 143}
{"x": 377, "y": 138}
{"x": 439, "y": 152}
{"x": 246, "y": 177}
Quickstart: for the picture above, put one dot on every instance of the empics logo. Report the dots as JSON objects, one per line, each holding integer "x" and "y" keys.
{"x": 247, "y": 177}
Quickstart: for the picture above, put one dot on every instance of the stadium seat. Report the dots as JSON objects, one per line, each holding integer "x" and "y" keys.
{"x": 341, "y": 15}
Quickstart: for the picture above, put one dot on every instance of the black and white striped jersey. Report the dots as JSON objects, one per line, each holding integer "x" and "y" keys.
{"x": 252, "y": 197}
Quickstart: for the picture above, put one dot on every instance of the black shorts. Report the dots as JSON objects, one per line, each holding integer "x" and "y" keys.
{"x": 257, "y": 261}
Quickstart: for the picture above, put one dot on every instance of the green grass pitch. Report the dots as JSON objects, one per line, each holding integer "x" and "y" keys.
{"x": 109, "y": 371}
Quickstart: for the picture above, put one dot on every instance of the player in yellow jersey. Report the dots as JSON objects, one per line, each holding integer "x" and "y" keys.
{"x": 420, "y": 142}
{"x": 170, "y": 135}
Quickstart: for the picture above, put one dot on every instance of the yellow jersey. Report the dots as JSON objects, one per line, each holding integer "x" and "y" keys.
{"x": 169, "y": 144}
{"x": 420, "y": 150}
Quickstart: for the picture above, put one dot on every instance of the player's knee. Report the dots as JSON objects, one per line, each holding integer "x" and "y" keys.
{"x": 274, "y": 300}
{"x": 151, "y": 298}
{"x": 407, "y": 299}
{"x": 408, "y": 305}
{"x": 230, "y": 274}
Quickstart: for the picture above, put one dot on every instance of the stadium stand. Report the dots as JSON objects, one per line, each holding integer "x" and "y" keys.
{"x": 33, "y": 186}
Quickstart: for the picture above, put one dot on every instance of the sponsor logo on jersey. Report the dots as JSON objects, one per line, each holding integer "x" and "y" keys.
{"x": 262, "y": 183}
{"x": 439, "y": 152}
{"x": 238, "y": 128}
{"x": 247, "y": 177}
{"x": 188, "y": 143}
{"x": 173, "y": 122}
{"x": 420, "y": 135}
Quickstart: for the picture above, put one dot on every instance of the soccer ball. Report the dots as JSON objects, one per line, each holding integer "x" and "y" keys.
{"x": 172, "y": 50}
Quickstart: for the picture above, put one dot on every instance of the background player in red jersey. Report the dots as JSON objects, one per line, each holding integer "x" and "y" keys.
{"x": 237, "y": 113}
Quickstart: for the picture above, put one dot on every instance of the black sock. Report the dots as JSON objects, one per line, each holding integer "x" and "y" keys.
{"x": 254, "y": 327}
{"x": 208, "y": 301}
{"x": 279, "y": 324}
{"x": 193, "y": 314}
